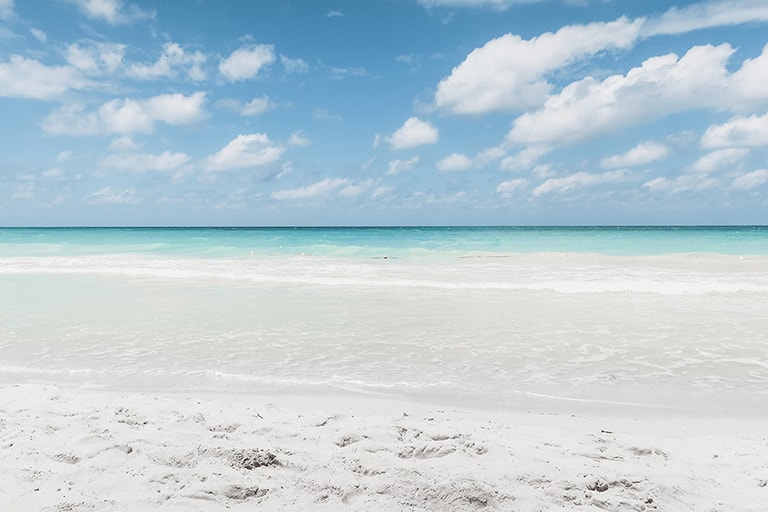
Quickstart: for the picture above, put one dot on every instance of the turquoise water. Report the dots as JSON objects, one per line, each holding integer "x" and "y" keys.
{"x": 380, "y": 242}
{"x": 517, "y": 318}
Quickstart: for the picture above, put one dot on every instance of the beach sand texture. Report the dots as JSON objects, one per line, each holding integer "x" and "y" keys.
{"x": 80, "y": 450}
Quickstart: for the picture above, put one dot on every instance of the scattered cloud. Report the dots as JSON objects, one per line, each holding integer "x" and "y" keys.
{"x": 293, "y": 65}
{"x": 509, "y": 73}
{"x": 322, "y": 114}
{"x": 508, "y": 188}
{"x": 6, "y": 9}
{"x": 113, "y": 196}
{"x": 334, "y": 14}
{"x": 252, "y": 150}
{"x": 299, "y": 139}
{"x": 113, "y": 12}
{"x": 257, "y": 106}
{"x": 126, "y": 116}
{"x": 577, "y": 181}
{"x": 339, "y": 187}
{"x": 38, "y": 34}
{"x": 144, "y": 162}
{"x": 21, "y": 77}
{"x": 496, "y": 4}
{"x": 739, "y": 131}
{"x": 643, "y": 153}
{"x": 170, "y": 61}
{"x": 413, "y": 133}
{"x": 718, "y": 159}
{"x": 95, "y": 58}
{"x": 246, "y": 62}
{"x": 400, "y": 166}
{"x": 751, "y": 180}
{"x": 659, "y": 87}
{"x": 678, "y": 20}
{"x": 454, "y": 162}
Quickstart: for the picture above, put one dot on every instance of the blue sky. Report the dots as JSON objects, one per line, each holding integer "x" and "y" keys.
{"x": 386, "y": 112}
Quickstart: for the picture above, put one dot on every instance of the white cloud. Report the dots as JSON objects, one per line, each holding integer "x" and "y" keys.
{"x": 718, "y": 159}
{"x": 322, "y": 188}
{"x": 113, "y": 196}
{"x": 751, "y": 180}
{"x": 508, "y": 73}
{"x": 682, "y": 183}
{"x": 334, "y": 14}
{"x": 497, "y": 4}
{"x": 299, "y": 139}
{"x": 38, "y": 34}
{"x": 246, "y": 62}
{"x": 739, "y": 131}
{"x": 322, "y": 114}
{"x": 6, "y": 9}
{"x": 143, "y": 162}
{"x": 124, "y": 143}
{"x": 705, "y": 15}
{"x": 257, "y": 106}
{"x": 524, "y": 159}
{"x": 660, "y": 86}
{"x": 576, "y": 181}
{"x": 414, "y": 132}
{"x": 167, "y": 65}
{"x": 95, "y": 58}
{"x": 399, "y": 166}
{"x": 293, "y": 65}
{"x": 126, "y": 116}
{"x": 643, "y": 153}
{"x": 112, "y": 11}
{"x": 253, "y": 150}
{"x": 508, "y": 188}
{"x": 28, "y": 78}
{"x": 454, "y": 162}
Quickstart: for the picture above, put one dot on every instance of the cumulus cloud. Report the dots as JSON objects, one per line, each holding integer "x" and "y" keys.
{"x": 576, "y": 181}
{"x": 751, "y": 180}
{"x": 172, "y": 58}
{"x": 6, "y": 9}
{"x": 28, "y": 78}
{"x": 739, "y": 131}
{"x": 399, "y": 166}
{"x": 112, "y": 11}
{"x": 246, "y": 62}
{"x": 508, "y": 188}
{"x": 660, "y": 86}
{"x": 293, "y": 65}
{"x": 143, "y": 162}
{"x": 95, "y": 58}
{"x": 454, "y": 162}
{"x": 682, "y": 183}
{"x": 643, "y": 153}
{"x": 126, "y": 116}
{"x": 705, "y": 15}
{"x": 718, "y": 159}
{"x": 497, "y": 4}
{"x": 414, "y": 132}
{"x": 339, "y": 187}
{"x": 114, "y": 196}
{"x": 38, "y": 34}
{"x": 252, "y": 150}
{"x": 299, "y": 139}
{"x": 508, "y": 73}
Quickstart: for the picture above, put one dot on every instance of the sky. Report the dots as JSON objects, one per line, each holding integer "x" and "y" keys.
{"x": 383, "y": 112}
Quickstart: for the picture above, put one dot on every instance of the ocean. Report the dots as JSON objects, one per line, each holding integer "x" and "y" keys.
{"x": 656, "y": 318}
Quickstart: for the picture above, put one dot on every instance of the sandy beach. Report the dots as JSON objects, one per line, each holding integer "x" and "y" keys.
{"x": 74, "y": 449}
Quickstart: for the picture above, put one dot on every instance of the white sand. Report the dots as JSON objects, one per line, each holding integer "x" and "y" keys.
{"x": 65, "y": 449}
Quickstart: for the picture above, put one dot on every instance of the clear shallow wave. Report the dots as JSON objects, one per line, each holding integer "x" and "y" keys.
{"x": 564, "y": 273}
{"x": 683, "y": 330}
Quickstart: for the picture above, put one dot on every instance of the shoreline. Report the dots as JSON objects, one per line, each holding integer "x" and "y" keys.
{"x": 75, "y": 449}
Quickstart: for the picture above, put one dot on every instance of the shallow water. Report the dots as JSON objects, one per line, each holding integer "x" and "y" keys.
{"x": 453, "y": 322}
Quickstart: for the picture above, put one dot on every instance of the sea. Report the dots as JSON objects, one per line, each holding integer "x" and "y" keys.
{"x": 651, "y": 319}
